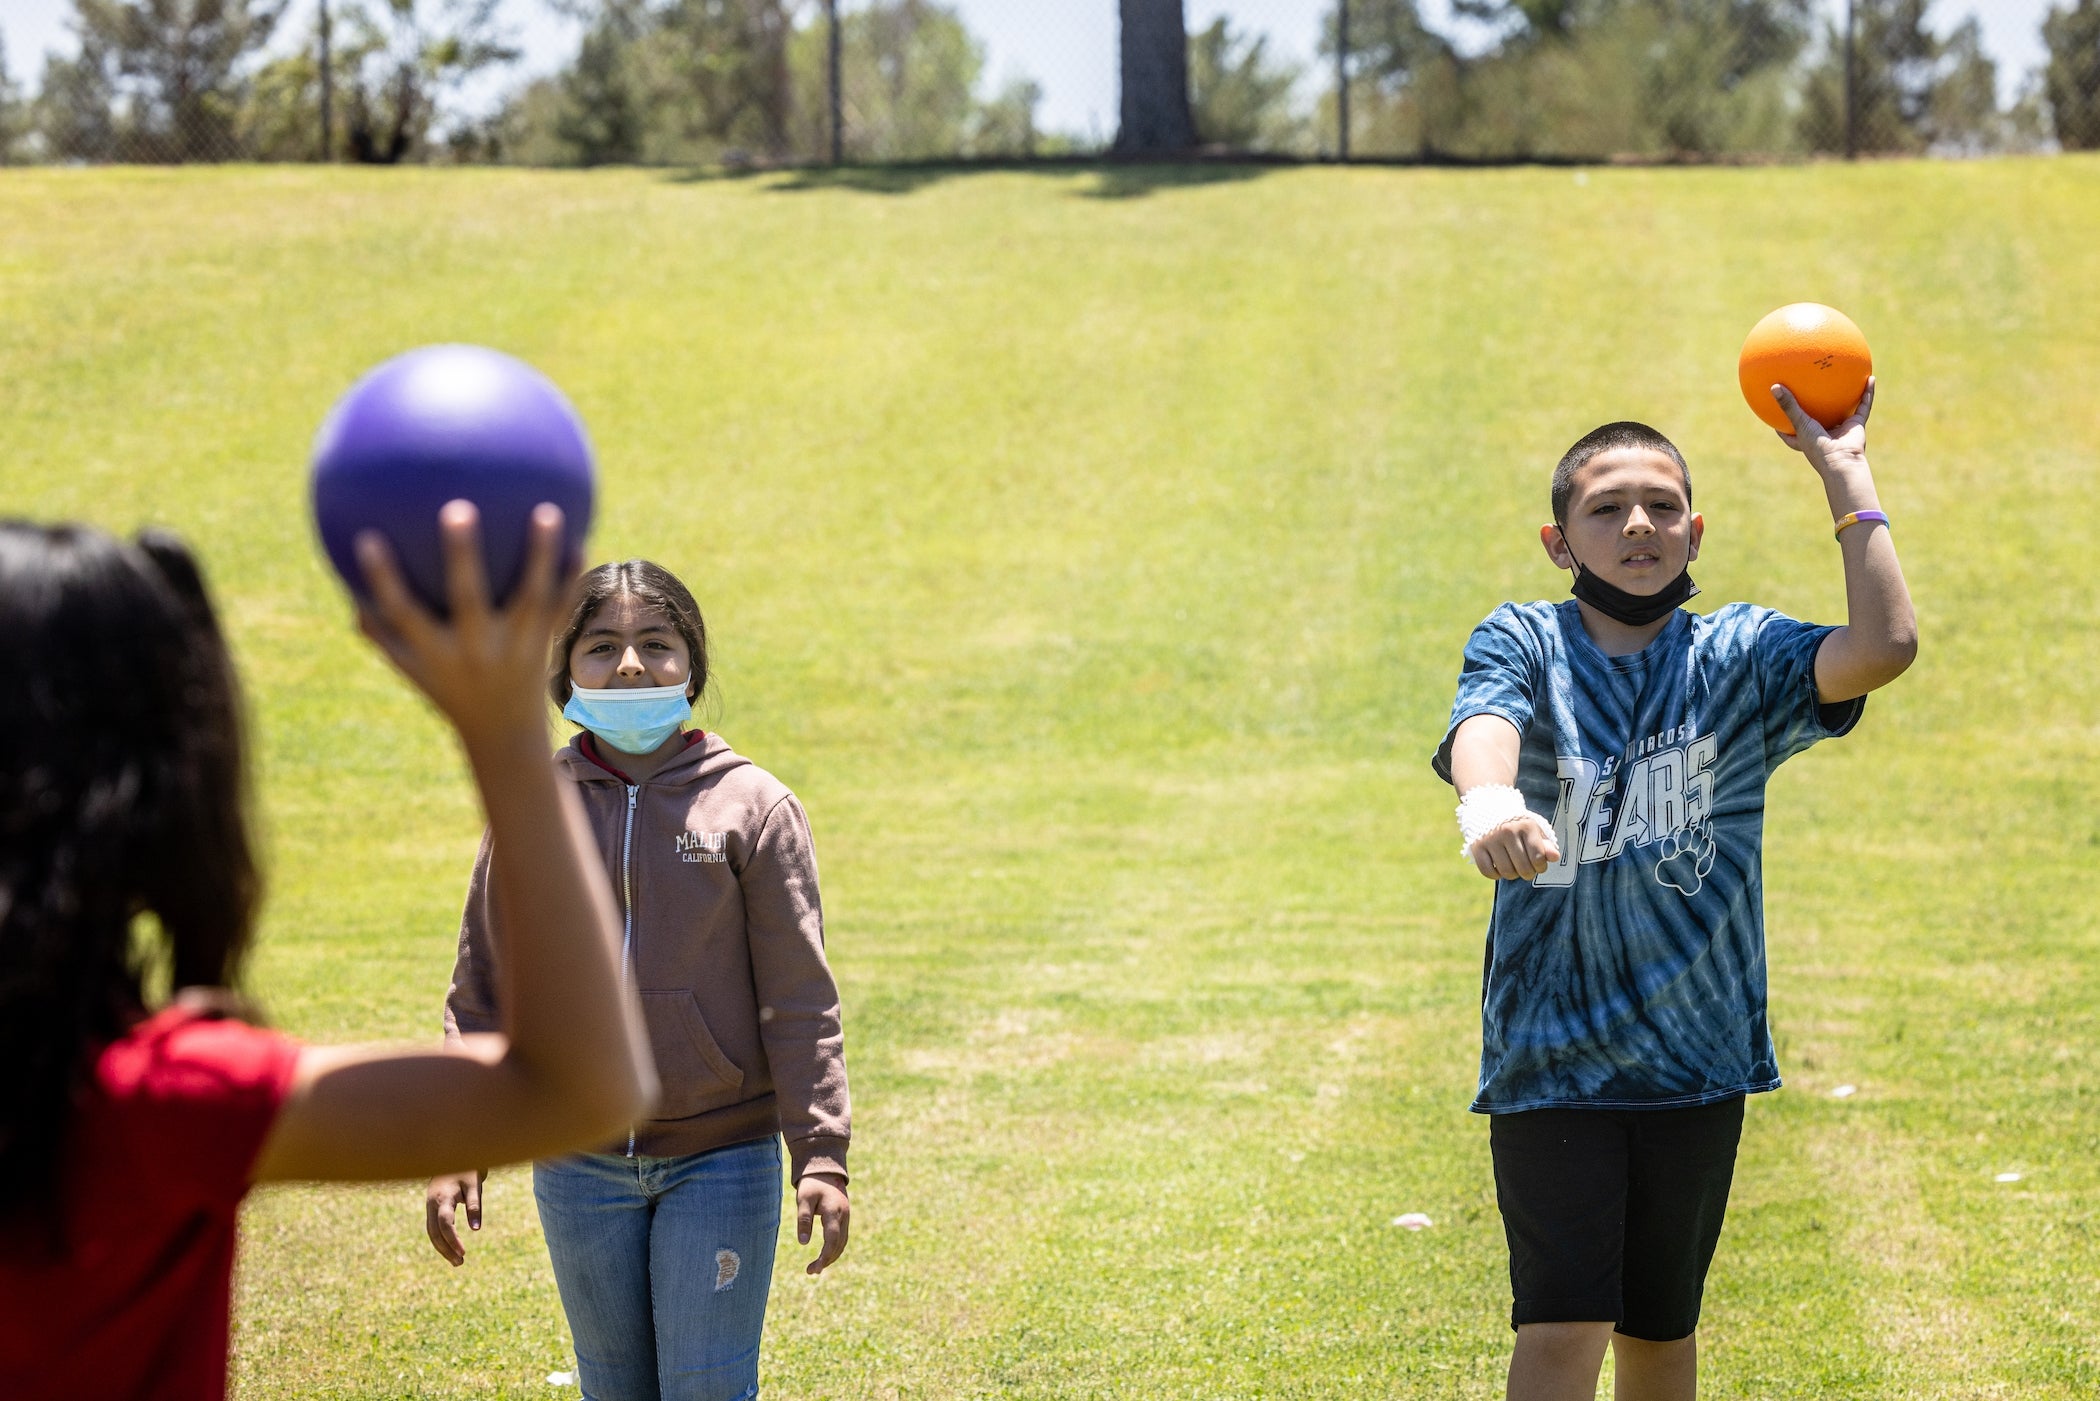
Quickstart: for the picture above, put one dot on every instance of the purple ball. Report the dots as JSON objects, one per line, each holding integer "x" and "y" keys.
{"x": 435, "y": 425}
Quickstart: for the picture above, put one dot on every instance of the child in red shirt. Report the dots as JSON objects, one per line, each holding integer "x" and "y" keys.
{"x": 129, "y": 1134}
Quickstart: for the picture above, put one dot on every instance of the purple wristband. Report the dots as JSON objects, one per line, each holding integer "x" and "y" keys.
{"x": 1856, "y": 517}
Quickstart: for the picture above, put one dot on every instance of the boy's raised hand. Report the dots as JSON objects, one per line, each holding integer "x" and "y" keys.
{"x": 1829, "y": 450}
{"x": 1880, "y": 637}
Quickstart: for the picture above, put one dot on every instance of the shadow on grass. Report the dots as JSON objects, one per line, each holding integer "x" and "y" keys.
{"x": 1134, "y": 179}
{"x": 1112, "y": 179}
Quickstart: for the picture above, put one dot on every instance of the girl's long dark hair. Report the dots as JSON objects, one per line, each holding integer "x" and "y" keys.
{"x": 122, "y": 794}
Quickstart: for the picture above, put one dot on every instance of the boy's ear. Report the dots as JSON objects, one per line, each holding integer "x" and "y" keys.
{"x": 1557, "y": 547}
{"x": 1698, "y": 534}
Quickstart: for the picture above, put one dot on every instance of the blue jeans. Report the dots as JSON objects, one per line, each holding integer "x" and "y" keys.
{"x": 664, "y": 1265}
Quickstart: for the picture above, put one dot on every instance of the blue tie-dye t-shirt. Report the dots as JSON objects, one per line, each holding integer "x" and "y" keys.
{"x": 1632, "y": 973}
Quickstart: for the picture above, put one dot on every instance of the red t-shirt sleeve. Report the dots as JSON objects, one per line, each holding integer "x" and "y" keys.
{"x": 196, "y": 1095}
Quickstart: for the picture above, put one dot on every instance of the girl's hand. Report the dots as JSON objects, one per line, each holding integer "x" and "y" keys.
{"x": 445, "y": 1193}
{"x": 1829, "y": 450}
{"x": 822, "y": 1195}
{"x": 484, "y": 668}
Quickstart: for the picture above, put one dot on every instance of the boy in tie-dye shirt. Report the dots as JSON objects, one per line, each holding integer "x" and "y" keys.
{"x": 1611, "y": 754}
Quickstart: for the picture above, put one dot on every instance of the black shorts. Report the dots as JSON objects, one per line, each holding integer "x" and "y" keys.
{"x": 1613, "y": 1214}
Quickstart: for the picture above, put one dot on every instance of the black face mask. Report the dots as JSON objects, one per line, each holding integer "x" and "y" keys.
{"x": 1633, "y": 609}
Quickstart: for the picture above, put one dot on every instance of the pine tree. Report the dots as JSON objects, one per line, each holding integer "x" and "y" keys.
{"x": 2071, "y": 82}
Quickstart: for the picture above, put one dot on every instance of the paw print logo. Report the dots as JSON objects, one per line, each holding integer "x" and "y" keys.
{"x": 1687, "y": 855}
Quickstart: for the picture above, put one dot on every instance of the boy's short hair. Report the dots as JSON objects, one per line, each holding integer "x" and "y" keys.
{"x": 1623, "y": 434}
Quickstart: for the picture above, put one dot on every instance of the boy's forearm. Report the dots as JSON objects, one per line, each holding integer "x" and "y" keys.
{"x": 1505, "y": 841}
{"x": 1880, "y": 636}
{"x": 1485, "y": 750}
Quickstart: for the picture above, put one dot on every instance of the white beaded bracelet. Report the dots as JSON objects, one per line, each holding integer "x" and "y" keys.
{"x": 1487, "y": 807}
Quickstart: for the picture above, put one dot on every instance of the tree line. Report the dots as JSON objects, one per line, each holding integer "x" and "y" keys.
{"x": 376, "y": 81}
{"x": 690, "y": 81}
{"x": 1705, "y": 78}
{"x": 700, "y": 81}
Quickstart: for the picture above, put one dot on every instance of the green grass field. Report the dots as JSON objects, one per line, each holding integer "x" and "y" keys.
{"x": 1092, "y": 552}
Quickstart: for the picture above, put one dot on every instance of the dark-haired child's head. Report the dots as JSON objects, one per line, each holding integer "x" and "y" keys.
{"x": 1622, "y": 509}
{"x": 1611, "y": 437}
{"x": 121, "y": 795}
{"x": 634, "y": 625}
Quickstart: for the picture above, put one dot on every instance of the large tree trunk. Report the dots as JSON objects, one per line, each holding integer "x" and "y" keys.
{"x": 1155, "y": 116}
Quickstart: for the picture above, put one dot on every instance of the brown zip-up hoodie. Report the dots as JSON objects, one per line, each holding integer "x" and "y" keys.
{"x": 717, "y": 882}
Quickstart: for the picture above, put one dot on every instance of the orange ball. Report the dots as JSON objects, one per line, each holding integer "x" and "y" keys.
{"x": 1817, "y": 353}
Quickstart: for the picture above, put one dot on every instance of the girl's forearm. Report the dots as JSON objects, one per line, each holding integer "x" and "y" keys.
{"x": 559, "y": 976}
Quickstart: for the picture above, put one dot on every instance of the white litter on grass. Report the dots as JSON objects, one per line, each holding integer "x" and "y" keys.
{"x": 561, "y": 1379}
{"x": 1844, "y": 1092}
{"x": 2006, "y": 1177}
{"x": 1412, "y": 1221}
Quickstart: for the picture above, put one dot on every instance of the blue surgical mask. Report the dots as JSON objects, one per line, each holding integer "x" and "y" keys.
{"x": 635, "y": 720}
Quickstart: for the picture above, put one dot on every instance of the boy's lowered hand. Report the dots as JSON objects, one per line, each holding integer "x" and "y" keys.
{"x": 1521, "y": 849}
{"x": 1520, "y": 846}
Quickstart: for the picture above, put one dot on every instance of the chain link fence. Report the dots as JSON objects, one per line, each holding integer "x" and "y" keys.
{"x": 799, "y": 82}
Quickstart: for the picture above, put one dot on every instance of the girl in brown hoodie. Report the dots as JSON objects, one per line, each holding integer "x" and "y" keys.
{"x": 663, "y": 1241}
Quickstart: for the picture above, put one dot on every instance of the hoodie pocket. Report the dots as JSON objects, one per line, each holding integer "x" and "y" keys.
{"x": 695, "y": 1075}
